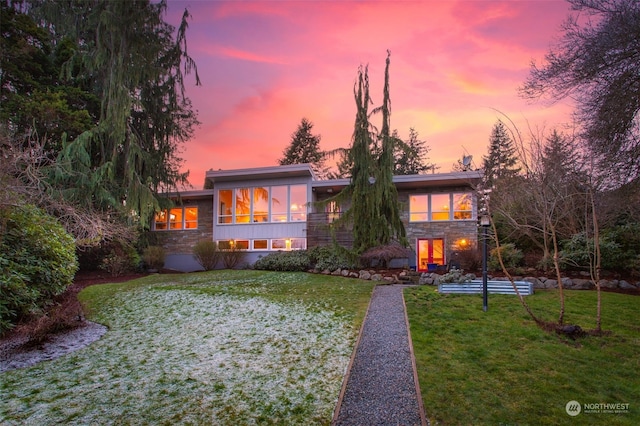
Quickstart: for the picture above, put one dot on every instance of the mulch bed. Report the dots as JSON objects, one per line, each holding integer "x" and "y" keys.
{"x": 66, "y": 310}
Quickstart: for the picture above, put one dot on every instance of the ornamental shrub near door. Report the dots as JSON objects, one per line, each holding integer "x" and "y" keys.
{"x": 37, "y": 262}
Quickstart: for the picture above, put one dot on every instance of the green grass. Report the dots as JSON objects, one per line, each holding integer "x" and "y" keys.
{"x": 222, "y": 347}
{"x": 498, "y": 367}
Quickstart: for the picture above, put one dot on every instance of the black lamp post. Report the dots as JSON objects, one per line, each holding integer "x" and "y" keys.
{"x": 485, "y": 221}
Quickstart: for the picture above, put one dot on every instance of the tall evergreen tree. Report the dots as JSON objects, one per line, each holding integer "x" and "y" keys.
{"x": 502, "y": 161}
{"x": 305, "y": 148}
{"x": 35, "y": 102}
{"x": 136, "y": 68}
{"x": 374, "y": 210}
{"x": 386, "y": 194}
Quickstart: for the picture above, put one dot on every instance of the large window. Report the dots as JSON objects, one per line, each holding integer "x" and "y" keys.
{"x": 462, "y": 206}
{"x": 233, "y": 244}
{"x": 285, "y": 244}
{"x": 225, "y": 203}
{"x": 260, "y": 204}
{"x": 419, "y": 208}
{"x": 288, "y": 244}
{"x": 282, "y": 203}
{"x": 279, "y": 203}
{"x": 176, "y": 219}
{"x": 298, "y": 203}
{"x": 439, "y": 207}
{"x": 243, "y": 205}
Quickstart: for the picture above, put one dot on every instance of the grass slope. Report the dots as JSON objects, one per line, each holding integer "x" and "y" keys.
{"x": 223, "y": 347}
{"x": 498, "y": 367}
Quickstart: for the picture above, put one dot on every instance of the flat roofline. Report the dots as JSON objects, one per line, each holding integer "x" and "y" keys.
{"x": 289, "y": 170}
{"x": 190, "y": 195}
{"x": 413, "y": 181}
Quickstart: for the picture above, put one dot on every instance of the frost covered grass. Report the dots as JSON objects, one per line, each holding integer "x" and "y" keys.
{"x": 222, "y": 347}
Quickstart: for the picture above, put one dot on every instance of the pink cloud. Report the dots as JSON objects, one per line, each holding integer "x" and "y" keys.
{"x": 265, "y": 65}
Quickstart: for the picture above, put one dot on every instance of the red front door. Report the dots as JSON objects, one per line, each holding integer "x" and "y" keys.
{"x": 430, "y": 252}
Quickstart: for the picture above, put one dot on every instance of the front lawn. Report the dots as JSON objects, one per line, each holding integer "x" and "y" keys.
{"x": 223, "y": 347}
{"x": 498, "y": 367}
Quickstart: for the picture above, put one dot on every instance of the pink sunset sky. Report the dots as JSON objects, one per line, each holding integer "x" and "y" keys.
{"x": 455, "y": 68}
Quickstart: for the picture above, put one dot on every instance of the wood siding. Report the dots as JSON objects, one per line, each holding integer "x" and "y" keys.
{"x": 319, "y": 232}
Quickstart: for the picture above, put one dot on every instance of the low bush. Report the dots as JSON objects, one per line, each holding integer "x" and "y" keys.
{"x": 457, "y": 276}
{"x": 207, "y": 254}
{"x": 511, "y": 257}
{"x": 153, "y": 257}
{"x": 331, "y": 258}
{"x": 289, "y": 261}
{"x": 121, "y": 258}
{"x": 470, "y": 259}
{"x": 232, "y": 257}
{"x": 37, "y": 262}
{"x": 115, "y": 264}
{"x": 381, "y": 256}
{"x": 619, "y": 248}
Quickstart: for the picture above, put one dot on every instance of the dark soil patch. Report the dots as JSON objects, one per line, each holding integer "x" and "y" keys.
{"x": 65, "y": 313}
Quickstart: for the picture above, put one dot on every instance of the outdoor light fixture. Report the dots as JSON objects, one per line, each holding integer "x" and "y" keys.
{"x": 485, "y": 221}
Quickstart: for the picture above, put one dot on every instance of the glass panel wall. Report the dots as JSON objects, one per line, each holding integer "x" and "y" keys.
{"x": 279, "y": 203}
{"x": 298, "y": 203}
{"x": 260, "y": 204}
{"x": 225, "y": 206}
{"x": 243, "y": 205}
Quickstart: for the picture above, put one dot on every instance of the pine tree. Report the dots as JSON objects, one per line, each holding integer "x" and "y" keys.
{"x": 305, "y": 148}
{"x": 502, "y": 161}
{"x": 411, "y": 155}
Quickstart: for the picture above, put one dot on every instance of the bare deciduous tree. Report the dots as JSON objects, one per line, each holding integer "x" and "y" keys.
{"x": 597, "y": 63}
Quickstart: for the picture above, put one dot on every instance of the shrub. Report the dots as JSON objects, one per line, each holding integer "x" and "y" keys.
{"x": 289, "y": 261}
{"x": 232, "y": 257}
{"x": 206, "y": 254}
{"x": 153, "y": 257}
{"x": 619, "y": 249}
{"x": 381, "y": 255}
{"x": 121, "y": 257}
{"x": 37, "y": 262}
{"x": 457, "y": 276}
{"x": 469, "y": 259}
{"x": 511, "y": 257}
{"x": 331, "y": 258}
{"x": 115, "y": 264}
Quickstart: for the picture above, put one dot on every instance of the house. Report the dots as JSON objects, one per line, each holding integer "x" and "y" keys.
{"x": 267, "y": 209}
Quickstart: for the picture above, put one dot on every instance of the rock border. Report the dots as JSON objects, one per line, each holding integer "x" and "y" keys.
{"x": 433, "y": 278}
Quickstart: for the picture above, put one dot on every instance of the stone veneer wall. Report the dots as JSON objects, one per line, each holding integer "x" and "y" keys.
{"x": 182, "y": 242}
{"x": 451, "y": 231}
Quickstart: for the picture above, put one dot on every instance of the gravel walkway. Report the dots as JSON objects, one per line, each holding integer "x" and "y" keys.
{"x": 381, "y": 382}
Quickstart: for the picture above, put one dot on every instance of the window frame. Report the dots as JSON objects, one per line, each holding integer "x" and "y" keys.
{"x": 417, "y": 214}
{"x": 182, "y": 225}
{"x": 288, "y": 199}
